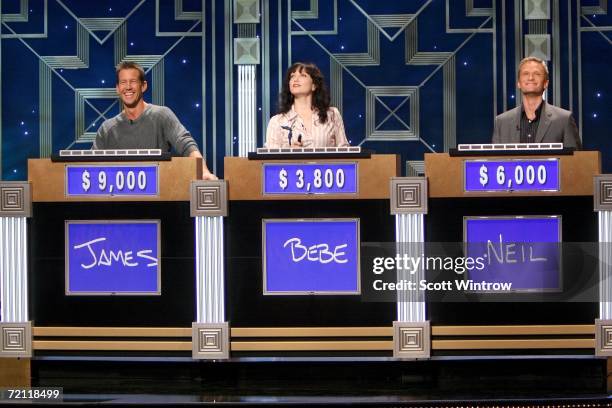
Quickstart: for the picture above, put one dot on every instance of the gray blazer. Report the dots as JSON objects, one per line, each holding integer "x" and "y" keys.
{"x": 556, "y": 125}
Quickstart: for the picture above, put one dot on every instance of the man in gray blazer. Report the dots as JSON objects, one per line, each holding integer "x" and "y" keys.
{"x": 535, "y": 121}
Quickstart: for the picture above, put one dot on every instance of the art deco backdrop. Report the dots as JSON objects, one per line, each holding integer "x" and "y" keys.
{"x": 410, "y": 76}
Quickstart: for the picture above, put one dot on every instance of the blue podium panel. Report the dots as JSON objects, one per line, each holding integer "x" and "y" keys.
{"x": 112, "y": 180}
{"x": 113, "y": 257}
{"x": 512, "y": 175}
{"x": 310, "y": 178}
{"x": 311, "y": 256}
{"x": 523, "y": 251}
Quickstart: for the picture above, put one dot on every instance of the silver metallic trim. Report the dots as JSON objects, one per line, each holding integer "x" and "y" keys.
{"x": 494, "y": 55}
{"x": 410, "y": 238}
{"x": 16, "y": 340}
{"x": 208, "y": 198}
{"x": 415, "y": 168}
{"x": 556, "y": 54}
{"x": 518, "y": 45}
{"x": 210, "y": 341}
{"x": 246, "y": 52}
{"x": 408, "y": 195}
{"x": 246, "y": 11}
{"x": 605, "y": 264}
{"x": 247, "y": 109}
{"x": 411, "y": 340}
{"x": 537, "y": 9}
{"x": 450, "y": 104}
{"x": 45, "y": 121}
{"x": 210, "y": 294}
{"x": 504, "y": 65}
{"x": 602, "y": 193}
{"x": 15, "y": 199}
{"x": 603, "y": 337}
{"x": 579, "y": 59}
{"x": 336, "y": 83}
{"x": 213, "y": 41}
{"x": 228, "y": 81}
{"x": 570, "y": 63}
{"x": 600, "y": 8}
{"x": 265, "y": 68}
{"x": 13, "y": 270}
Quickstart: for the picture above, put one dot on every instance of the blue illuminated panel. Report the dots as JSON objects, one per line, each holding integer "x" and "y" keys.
{"x": 311, "y": 256}
{"x": 112, "y": 180}
{"x": 525, "y": 251}
{"x": 511, "y": 175}
{"x": 113, "y": 257}
{"x": 310, "y": 178}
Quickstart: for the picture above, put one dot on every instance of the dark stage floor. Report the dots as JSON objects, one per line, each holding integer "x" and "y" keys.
{"x": 545, "y": 381}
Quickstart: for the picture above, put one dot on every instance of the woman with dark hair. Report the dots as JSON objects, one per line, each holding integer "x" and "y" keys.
{"x": 305, "y": 118}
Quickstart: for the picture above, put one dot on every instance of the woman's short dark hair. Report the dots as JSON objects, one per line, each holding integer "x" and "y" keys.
{"x": 320, "y": 96}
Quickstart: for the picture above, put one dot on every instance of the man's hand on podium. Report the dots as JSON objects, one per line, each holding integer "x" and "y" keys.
{"x": 206, "y": 174}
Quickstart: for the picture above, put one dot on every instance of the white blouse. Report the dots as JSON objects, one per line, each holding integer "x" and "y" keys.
{"x": 328, "y": 134}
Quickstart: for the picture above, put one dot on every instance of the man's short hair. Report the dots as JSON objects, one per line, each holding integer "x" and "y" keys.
{"x": 131, "y": 65}
{"x": 532, "y": 59}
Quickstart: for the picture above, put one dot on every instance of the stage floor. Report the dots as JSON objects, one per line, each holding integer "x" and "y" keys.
{"x": 518, "y": 381}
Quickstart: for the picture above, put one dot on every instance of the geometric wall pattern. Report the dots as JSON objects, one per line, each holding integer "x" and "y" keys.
{"x": 409, "y": 77}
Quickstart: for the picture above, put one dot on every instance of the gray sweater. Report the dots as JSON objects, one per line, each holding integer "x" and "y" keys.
{"x": 156, "y": 128}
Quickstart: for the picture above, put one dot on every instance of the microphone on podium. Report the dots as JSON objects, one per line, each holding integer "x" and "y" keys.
{"x": 290, "y": 135}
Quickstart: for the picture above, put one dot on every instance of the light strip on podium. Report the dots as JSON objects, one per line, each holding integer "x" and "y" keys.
{"x": 317, "y": 150}
{"x": 110, "y": 153}
{"x": 508, "y": 146}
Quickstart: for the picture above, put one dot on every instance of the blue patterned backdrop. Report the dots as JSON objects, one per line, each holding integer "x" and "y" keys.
{"x": 409, "y": 76}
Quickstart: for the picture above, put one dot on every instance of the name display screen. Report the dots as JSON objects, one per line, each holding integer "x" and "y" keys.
{"x": 312, "y": 256}
{"x": 113, "y": 257}
{"x": 310, "y": 178}
{"x": 525, "y": 251}
{"x": 511, "y": 175}
{"x": 112, "y": 180}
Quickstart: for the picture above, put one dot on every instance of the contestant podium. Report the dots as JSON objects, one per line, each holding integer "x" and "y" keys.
{"x": 305, "y": 320}
{"x": 47, "y": 311}
{"x": 530, "y": 324}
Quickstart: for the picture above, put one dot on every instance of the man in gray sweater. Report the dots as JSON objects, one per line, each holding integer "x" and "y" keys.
{"x": 143, "y": 125}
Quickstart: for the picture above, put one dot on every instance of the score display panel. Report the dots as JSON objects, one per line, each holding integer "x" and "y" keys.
{"x": 511, "y": 175}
